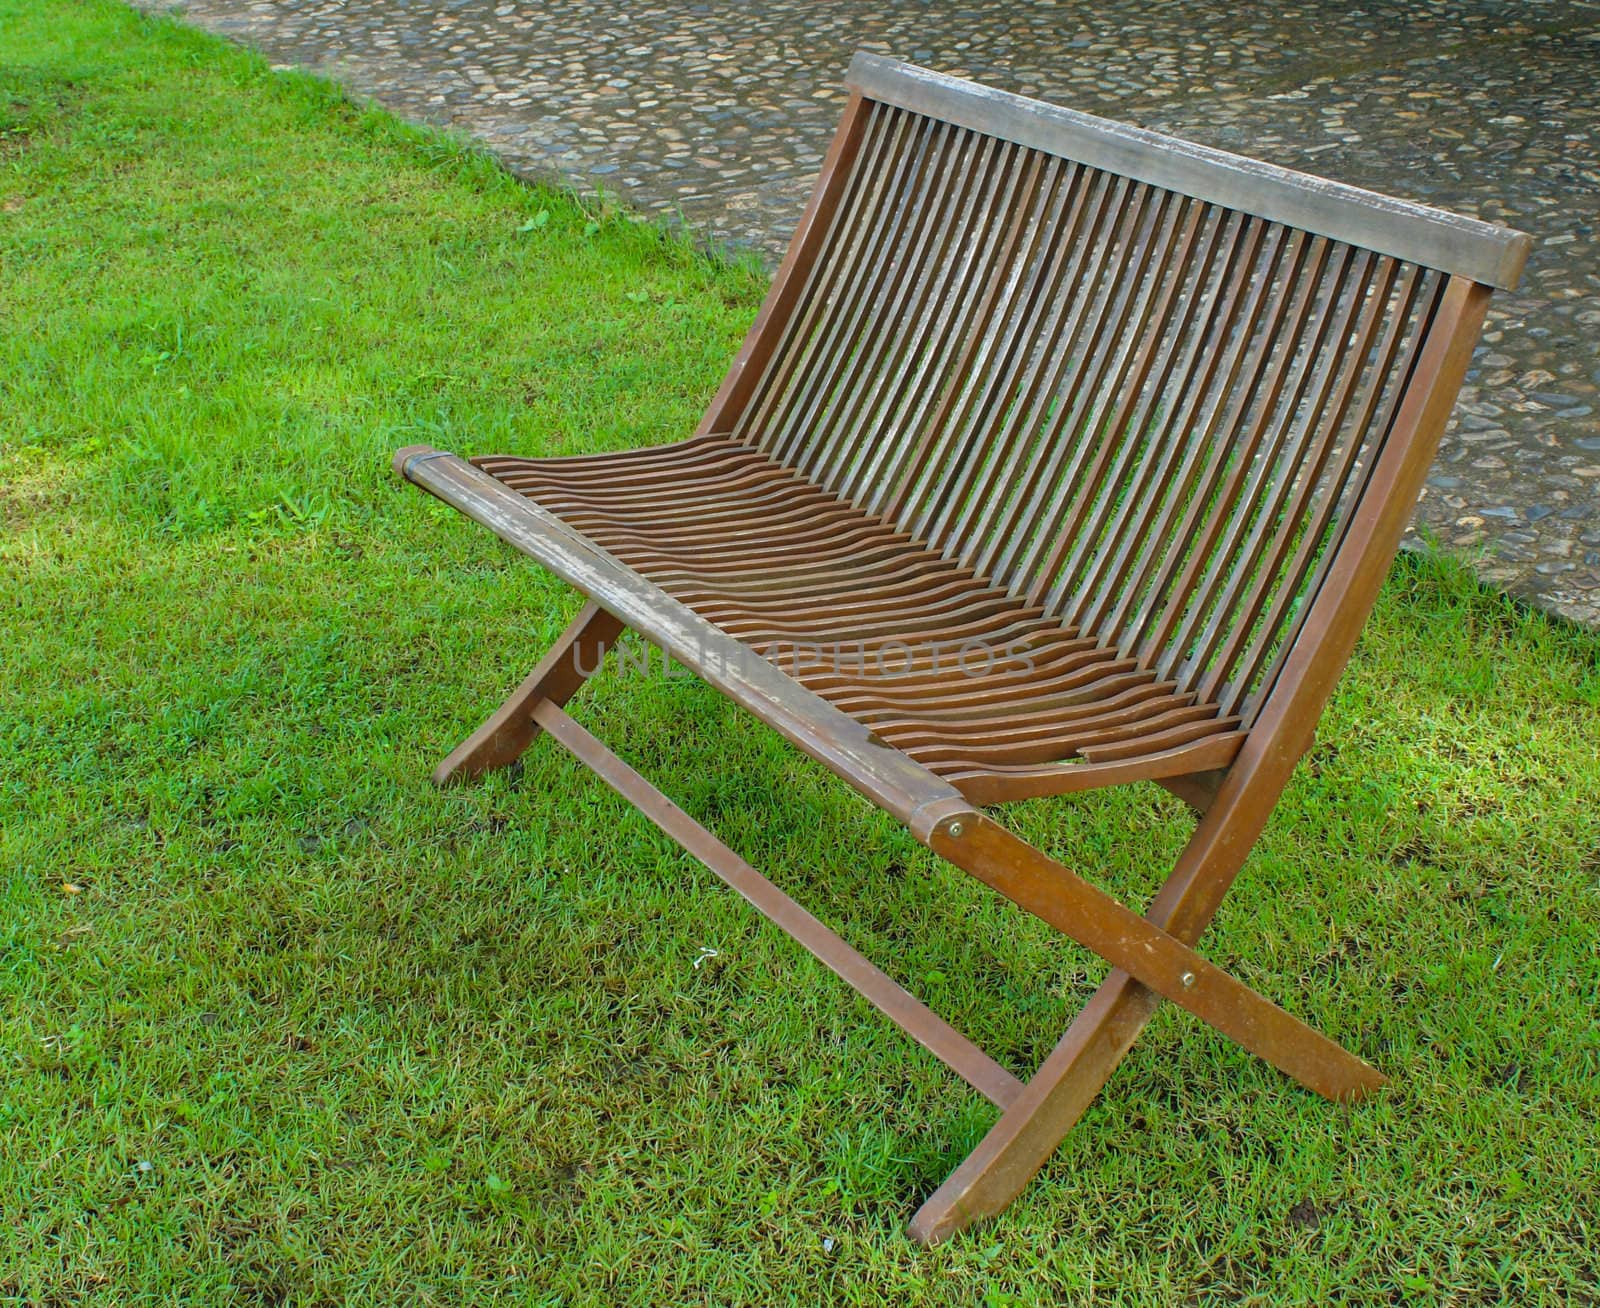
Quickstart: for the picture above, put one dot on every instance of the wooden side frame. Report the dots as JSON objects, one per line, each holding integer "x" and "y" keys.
{"x": 809, "y": 240}
{"x": 1069, "y": 1079}
{"x": 932, "y": 810}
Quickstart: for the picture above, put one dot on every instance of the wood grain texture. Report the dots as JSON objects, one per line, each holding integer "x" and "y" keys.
{"x": 1416, "y": 233}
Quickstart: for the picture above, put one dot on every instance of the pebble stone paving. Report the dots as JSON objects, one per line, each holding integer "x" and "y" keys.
{"x": 717, "y": 115}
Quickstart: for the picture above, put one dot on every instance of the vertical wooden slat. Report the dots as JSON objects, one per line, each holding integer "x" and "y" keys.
{"x": 1282, "y": 365}
{"x": 1075, "y": 427}
{"x": 1109, "y": 586}
{"x": 1039, "y": 356}
{"x": 1226, "y": 359}
{"x": 1391, "y": 397}
{"x": 1232, "y": 561}
{"x": 972, "y": 419}
{"x": 945, "y": 322}
{"x": 1205, "y": 516}
{"x": 878, "y": 158}
{"x": 886, "y": 322}
{"x": 1102, "y": 496}
{"x": 971, "y": 343}
{"x": 1280, "y": 519}
{"x": 1122, "y": 211}
{"x": 1141, "y": 413}
{"x": 1393, "y": 310}
{"x": 904, "y": 242}
{"x": 808, "y": 247}
{"x": 876, "y": 252}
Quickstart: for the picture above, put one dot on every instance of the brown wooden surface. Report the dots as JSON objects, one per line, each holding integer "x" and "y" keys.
{"x": 1466, "y": 246}
{"x": 889, "y": 778}
{"x": 1141, "y": 422}
{"x": 969, "y": 681}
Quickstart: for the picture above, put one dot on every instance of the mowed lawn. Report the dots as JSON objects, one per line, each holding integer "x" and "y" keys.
{"x": 280, "y": 1024}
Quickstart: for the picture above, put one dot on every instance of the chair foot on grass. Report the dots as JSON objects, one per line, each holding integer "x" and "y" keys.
{"x": 507, "y": 732}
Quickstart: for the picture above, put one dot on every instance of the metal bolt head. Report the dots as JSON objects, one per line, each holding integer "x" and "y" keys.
{"x": 955, "y": 829}
{"x": 1187, "y": 978}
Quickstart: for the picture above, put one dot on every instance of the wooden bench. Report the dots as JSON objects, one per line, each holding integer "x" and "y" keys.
{"x": 1060, "y": 455}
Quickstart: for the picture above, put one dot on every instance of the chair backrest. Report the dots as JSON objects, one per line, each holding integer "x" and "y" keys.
{"x": 1139, "y": 383}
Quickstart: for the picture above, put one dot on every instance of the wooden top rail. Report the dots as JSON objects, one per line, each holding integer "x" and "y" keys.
{"x": 1415, "y": 233}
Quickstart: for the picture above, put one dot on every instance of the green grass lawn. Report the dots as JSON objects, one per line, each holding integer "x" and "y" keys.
{"x": 281, "y": 1024}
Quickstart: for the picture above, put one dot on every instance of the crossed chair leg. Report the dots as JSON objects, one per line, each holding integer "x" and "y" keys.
{"x": 507, "y": 732}
{"x": 1151, "y": 955}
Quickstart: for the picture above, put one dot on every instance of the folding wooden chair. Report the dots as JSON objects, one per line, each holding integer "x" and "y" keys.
{"x": 1061, "y": 455}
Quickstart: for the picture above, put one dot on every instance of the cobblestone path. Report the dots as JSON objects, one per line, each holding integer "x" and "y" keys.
{"x": 719, "y": 113}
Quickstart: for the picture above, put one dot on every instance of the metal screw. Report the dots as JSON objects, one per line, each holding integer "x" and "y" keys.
{"x": 1187, "y": 978}
{"x": 955, "y": 830}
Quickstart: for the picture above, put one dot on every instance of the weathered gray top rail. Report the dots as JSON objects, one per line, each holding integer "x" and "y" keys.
{"x": 1416, "y": 233}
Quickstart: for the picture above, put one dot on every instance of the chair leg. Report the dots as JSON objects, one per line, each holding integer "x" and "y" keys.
{"x": 1037, "y": 1121}
{"x": 1154, "y": 956}
{"x": 510, "y": 729}
{"x": 1034, "y": 1124}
